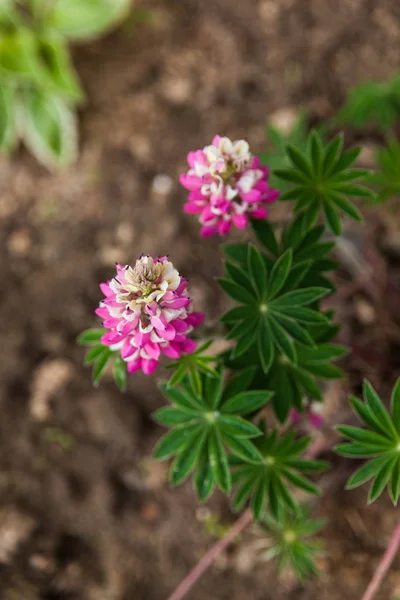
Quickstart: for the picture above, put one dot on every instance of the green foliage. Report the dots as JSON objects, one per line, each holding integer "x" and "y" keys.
{"x": 321, "y": 181}
{"x": 39, "y": 88}
{"x": 386, "y": 180}
{"x": 265, "y": 480}
{"x": 192, "y": 365}
{"x": 276, "y": 157}
{"x": 373, "y": 102}
{"x": 277, "y": 326}
{"x": 288, "y": 540}
{"x": 380, "y": 441}
{"x": 101, "y": 357}
{"x": 205, "y": 424}
{"x": 266, "y": 315}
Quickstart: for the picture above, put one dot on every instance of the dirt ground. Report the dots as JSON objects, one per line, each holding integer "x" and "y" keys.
{"x": 85, "y": 514}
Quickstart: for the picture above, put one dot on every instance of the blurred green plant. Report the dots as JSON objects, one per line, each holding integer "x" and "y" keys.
{"x": 373, "y": 102}
{"x": 39, "y": 88}
{"x": 386, "y": 179}
{"x": 288, "y": 540}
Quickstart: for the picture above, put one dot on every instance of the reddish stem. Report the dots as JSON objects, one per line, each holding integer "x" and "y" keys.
{"x": 211, "y": 555}
{"x": 384, "y": 565}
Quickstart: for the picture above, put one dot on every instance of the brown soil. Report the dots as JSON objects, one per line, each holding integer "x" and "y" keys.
{"x": 85, "y": 514}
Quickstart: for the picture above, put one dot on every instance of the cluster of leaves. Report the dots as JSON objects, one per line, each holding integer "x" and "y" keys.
{"x": 386, "y": 180}
{"x": 288, "y": 540}
{"x": 101, "y": 357}
{"x": 221, "y": 430}
{"x": 321, "y": 181}
{"x": 211, "y": 437}
{"x": 278, "y": 326}
{"x": 39, "y": 88}
{"x": 373, "y": 102}
{"x": 380, "y": 442}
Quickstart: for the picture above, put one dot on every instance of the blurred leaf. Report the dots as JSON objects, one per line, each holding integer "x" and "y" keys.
{"x": 58, "y": 72}
{"x": 8, "y": 125}
{"x": 49, "y": 129}
{"x": 83, "y": 19}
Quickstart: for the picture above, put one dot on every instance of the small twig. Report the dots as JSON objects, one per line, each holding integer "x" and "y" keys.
{"x": 211, "y": 555}
{"x": 319, "y": 444}
{"x": 384, "y": 565}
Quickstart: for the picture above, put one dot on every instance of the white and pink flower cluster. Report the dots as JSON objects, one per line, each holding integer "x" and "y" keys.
{"x": 227, "y": 185}
{"x": 146, "y": 309}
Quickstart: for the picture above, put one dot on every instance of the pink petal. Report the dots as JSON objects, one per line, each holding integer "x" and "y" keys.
{"x": 224, "y": 227}
{"x": 172, "y": 350}
{"x": 153, "y": 350}
{"x": 149, "y": 366}
{"x": 191, "y": 182}
{"x": 208, "y": 230}
{"x": 133, "y": 365}
{"x": 189, "y": 346}
{"x": 240, "y": 221}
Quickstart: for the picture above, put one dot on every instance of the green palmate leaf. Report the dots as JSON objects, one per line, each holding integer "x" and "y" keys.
{"x": 101, "y": 364}
{"x": 239, "y": 276}
{"x": 119, "y": 372}
{"x": 91, "y": 337}
{"x": 185, "y": 462}
{"x": 394, "y": 487}
{"x": 395, "y": 405}
{"x": 237, "y": 292}
{"x": 83, "y": 19}
{"x": 304, "y": 315}
{"x": 321, "y": 180}
{"x": 381, "y": 442}
{"x": 171, "y": 416}
{"x": 265, "y": 346}
{"x": 380, "y": 481}
{"x": 204, "y": 481}
{"x": 288, "y": 540}
{"x": 300, "y": 297}
{"x": 236, "y": 426}
{"x": 246, "y": 403}
{"x": 236, "y": 252}
{"x": 176, "y": 440}
{"x": 242, "y": 448}
{"x": 297, "y": 332}
{"x": 378, "y": 410}
{"x": 49, "y": 129}
{"x": 279, "y": 274}
{"x": 239, "y": 382}
{"x": 264, "y": 480}
{"x": 245, "y": 341}
{"x": 332, "y": 217}
{"x": 182, "y": 398}
{"x": 219, "y": 462}
{"x": 93, "y": 354}
{"x": 195, "y": 381}
{"x": 257, "y": 270}
{"x": 367, "y": 471}
{"x": 283, "y": 340}
{"x": 266, "y": 237}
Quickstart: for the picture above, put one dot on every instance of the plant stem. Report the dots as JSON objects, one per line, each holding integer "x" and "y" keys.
{"x": 211, "y": 555}
{"x": 384, "y": 565}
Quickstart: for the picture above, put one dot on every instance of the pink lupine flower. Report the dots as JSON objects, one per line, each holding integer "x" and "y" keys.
{"x": 146, "y": 310}
{"x": 312, "y": 413}
{"x": 227, "y": 185}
